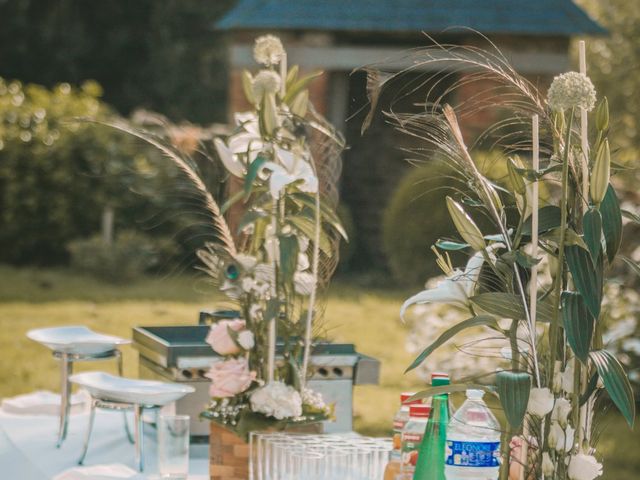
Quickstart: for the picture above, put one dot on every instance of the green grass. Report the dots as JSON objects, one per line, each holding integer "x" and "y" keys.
{"x": 368, "y": 317}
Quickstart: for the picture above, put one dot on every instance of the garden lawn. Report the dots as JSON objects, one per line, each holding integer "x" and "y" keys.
{"x": 367, "y": 317}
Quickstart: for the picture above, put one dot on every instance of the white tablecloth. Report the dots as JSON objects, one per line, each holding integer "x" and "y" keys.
{"x": 28, "y": 446}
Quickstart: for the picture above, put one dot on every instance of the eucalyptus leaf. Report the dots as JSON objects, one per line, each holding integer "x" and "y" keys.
{"x": 570, "y": 237}
{"x": 480, "y": 320}
{"x": 587, "y": 279}
{"x": 307, "y": 226}
{"x": 513, "y": 390}
{"x": 611, "y": 223}
{"x": 616, "y": 383}
{"x": 454, "y": 388}
{"x": 451, "y": 245}
{"x": 548, "y": 218}
{"x": 592, "y": 225}
{"x": 578, "y": 324}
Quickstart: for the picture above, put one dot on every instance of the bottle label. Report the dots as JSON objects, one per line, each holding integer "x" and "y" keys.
{"x": 409, "y": 455}
{"x": 473, "y": 454}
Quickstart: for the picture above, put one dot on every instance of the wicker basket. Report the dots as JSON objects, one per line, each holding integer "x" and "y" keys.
{"x": 229, "y": 454}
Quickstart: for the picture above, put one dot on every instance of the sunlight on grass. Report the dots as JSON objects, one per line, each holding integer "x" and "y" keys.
{"x": 367, "y": 317}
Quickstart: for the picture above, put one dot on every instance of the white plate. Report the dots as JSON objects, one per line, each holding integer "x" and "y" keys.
{"x": 118, "y": 389}
{"x": 75, "y": 339}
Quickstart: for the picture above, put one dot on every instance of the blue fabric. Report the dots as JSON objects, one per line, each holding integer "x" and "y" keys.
{"x": 527, "y": 17}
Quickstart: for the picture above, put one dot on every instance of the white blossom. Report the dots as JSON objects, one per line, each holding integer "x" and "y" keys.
{"x": 567, "y": 376}
{"x": 278, "y": 400}
{"x": 584, "y": 467}
{"x": 561, "y": 439}
{"x": 266, "y": 81}
{"x": 557, "y": 377}
{"x": 571, "y": 90}
{"x": 561, "y": 411}
{"x": 540, "y": 402}
{"x": 246, "y": 339}
{"x": 268, "y": 50}
{"x": 548, "y": 467}
{"x": 313, "y": 399}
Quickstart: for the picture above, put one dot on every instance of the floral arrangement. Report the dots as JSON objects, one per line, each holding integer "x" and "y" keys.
{"x": 538, "y": 267}
{"x": 285, "y": 252}
{"x": 281, "y": 161}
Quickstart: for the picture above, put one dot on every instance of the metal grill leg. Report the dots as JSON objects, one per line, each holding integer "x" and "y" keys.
{"x": 66, "y": 369}
{"x": 92, "y": 416}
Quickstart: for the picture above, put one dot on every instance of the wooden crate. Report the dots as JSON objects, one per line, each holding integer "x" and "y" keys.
{"x": 228, "y": 455}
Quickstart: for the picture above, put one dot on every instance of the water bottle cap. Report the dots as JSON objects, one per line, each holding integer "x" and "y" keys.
{"x": 473, "y": 394}
{"x": 419, "y": 410}
{"x": 404, "y": 396}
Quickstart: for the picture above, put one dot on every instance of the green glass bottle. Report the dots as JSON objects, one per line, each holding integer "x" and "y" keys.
{"x": 430, "y": 464}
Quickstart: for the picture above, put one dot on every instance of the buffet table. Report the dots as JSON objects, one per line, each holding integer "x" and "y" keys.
{"x": 28, "y": 447}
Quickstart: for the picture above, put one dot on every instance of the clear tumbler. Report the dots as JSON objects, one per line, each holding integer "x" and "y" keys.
{"x": 173, "y": 447}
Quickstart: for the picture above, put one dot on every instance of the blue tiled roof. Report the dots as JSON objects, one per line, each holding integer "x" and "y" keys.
{"x": 527, "y": 17}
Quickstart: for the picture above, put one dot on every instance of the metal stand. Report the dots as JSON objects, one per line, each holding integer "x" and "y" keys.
{"x": 137, "y": 440}
{"x": 66, "y": 369}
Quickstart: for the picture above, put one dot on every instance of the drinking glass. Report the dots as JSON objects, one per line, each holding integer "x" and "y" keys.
{"x": 173, "y": 447}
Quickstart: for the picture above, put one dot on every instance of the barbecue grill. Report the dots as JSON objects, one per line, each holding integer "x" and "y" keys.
{"x": 180, "y": 354}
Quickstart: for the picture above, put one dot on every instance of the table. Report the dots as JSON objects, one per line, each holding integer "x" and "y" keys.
{"x": 28, "y": 446}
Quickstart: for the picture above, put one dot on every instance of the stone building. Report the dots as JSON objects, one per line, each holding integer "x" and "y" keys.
{"x": 339, "y": 36}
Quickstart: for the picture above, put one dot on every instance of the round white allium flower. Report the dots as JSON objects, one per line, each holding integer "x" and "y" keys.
{"x": 561, "y": 411}
{"x": 571, "y": 89}
{"x": 265, "y": 82}
{"x": 561, "y": 439}
{"x": 246, "y": 339}
{"x": 313, "y": 399}
{"x": 584, "y": 467}
{"x": 268, "y": 50}
{"x": 540, "y": 402}
{"x": 548, "y": 468}
{"x": 278, "y": 400}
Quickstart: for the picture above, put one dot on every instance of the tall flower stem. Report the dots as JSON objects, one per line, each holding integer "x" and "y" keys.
{"x": 558, "y": 281}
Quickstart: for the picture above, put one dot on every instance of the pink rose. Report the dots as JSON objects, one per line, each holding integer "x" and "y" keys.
{"x": 219, "y": 337}
{"x": 229, "y": 378}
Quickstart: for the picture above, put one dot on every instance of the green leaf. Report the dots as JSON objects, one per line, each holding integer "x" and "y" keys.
{"x": 616, "y": 383}
{"x": 289, "y": 249}
{"x": 548, "y": 218}
{"x": 570, "y": 237}
{"x": 250, "y": 217}
{"x": 591, "y": 387}
{"x": 308, "y": 227}
{"x": 252, "y": 173}
{"x": 233, "y": 199}
{"x": 513, "y": 390}
{"x": 300, "y": 85}
{"x": 328, "y": 214}
{"x": 480, "y": 320}
{"x": 578, "y": 324}
{"x": 611, "y": 223}
{"x": 592, "y": 224}
{"x": 454, "y": 388}
{"x": 634, "y": 217}
{"x": 585, "y": 277}
{"x": 634, "y": 266}
{"x": 509, "y": 305}
{"x": 451, "y": 245}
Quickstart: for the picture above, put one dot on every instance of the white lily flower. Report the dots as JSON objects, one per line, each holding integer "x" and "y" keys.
{"x": 291, "y": 168}
{"x": 457, "y": 288}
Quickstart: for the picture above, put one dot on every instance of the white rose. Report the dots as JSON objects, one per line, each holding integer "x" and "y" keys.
{"x": 540, "y": 402}
{"x": 561, "y": 411}
{"x": 548, "y": 468}
{"x": 246, "y": 339}
{"x": 278, "y": 400}
{"x": 584, "y": 467}
{"x": 557, "y": 378}
{"x": 561, "y": 439}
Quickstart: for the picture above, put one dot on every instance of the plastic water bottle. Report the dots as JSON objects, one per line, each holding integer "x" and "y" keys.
{"x": 473, "y": 441}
